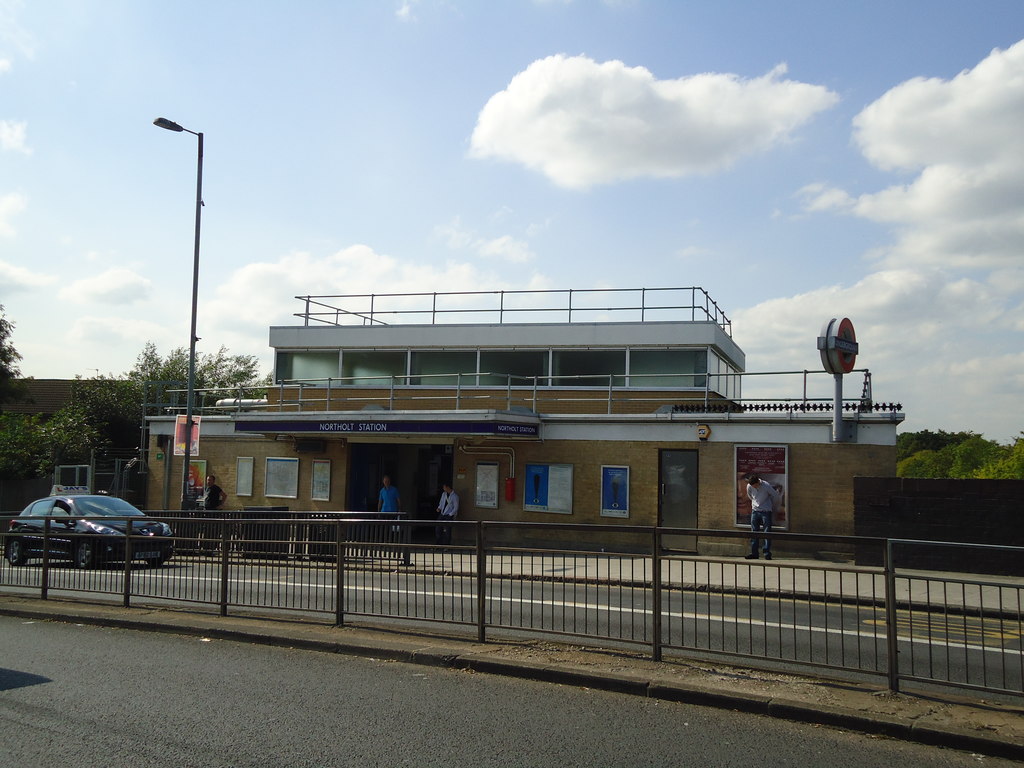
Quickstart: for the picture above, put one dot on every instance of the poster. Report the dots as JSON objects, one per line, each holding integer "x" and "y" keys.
{"x": 282, "y": 478}
{"x": 196, "y": 480}
{"x": 770, "y": 463}
{"x": 548, "y": 488}
{"x": 243, "y": 476}
{"x": 179, "y": 435}
{"x": 321, "y": 490}
{"x": 487, "y": 484}
{"x": 614, "y": 491}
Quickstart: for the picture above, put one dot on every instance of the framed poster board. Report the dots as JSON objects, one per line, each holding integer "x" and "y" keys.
{"x": 197, "y": 479}
{"x": 180, "y": 428}
{"x": 282, "y": 478}
{"x": 614, "y": 491}
{"x": 487, "y": 485}
{"x": 771, "y": 464}
{"x": 548, "y": 488}
{"x": 321, "y": 488}
{"x": 243, "y": 476}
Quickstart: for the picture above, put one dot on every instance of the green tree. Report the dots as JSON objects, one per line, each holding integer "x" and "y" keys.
{"x": 925, "y": 463}
{"x": 219, "y": 369}
{"x": 24, "y": 452}
{"x": 966, "y": 458}
{"x": 1010, "y": 466}
{"x": 909, "y": 443}
{"x": 11, "y": 389}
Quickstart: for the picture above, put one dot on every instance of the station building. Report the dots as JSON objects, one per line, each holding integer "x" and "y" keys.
{"x": 614, "y": 406}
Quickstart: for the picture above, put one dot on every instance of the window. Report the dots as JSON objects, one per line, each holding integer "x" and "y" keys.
{"x": 439, "y": 367}
{"x": 306, "y": 366}
{"x": 372, "y": 369}
{"x": 588, "y": 368}
{"x": 521, "y": 365}
{"x": 668, "y": 368}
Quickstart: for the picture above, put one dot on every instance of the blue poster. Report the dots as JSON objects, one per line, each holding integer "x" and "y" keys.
{"x": 535, "y": 493}
{"x": 615, "y": 491}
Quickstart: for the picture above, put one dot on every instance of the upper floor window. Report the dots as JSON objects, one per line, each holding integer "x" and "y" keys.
{"x": 588, "y": 367}
{"x": 440, "y": 368}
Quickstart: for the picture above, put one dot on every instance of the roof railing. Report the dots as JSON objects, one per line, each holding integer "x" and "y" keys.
{"x": 590, "y": 305}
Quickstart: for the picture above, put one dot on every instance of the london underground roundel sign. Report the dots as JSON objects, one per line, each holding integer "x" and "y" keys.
{"x": 838, "y": 346}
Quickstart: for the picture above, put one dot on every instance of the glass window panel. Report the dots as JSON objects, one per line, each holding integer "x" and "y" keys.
{"x": 438, "y": 367}
{"x": 306, "y": 366}
{"x": 372, "y": 369}
{"x": 595, "y": 365}
{"x": 655, "y": 367}
{"x": 522, "y": 365}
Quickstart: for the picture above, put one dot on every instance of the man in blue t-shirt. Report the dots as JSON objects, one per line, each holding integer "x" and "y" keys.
{"x": 388, "y": 499}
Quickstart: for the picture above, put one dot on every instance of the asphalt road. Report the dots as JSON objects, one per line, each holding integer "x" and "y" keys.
{"x": 99, "y": 696}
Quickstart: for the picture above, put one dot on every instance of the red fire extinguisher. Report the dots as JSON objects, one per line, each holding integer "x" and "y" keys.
{"x": 510, "y": 489}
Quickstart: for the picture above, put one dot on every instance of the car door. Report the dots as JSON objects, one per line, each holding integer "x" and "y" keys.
{"x": 30, "y": 524}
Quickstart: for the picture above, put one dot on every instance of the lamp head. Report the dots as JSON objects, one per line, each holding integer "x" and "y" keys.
{"x": 170, "y": 125}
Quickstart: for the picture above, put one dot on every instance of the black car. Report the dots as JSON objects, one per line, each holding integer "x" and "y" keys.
{"x": 87, "y": 530}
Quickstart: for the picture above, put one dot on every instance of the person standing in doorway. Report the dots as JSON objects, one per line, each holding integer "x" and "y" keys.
{"x": 763, "y": 500}
{"x": 447, "y": 510}
{"x": 389, "y": 502}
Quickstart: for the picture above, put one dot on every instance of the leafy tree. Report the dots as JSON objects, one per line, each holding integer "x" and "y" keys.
{"x": 11, "y": 389}
{"x": 1008, "y": 467}
{"x": 925, "y": 463}
{"x": 24, "y": 452}
{"x": 960, "y": 455}
{"x": 219, "y": 369}
{"x": 909, "y": 443}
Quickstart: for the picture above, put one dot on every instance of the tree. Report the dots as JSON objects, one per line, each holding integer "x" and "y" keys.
{"x": 219, "y": 369}
{"x": 23, "y": 449}
{"x": 11, "y": 389}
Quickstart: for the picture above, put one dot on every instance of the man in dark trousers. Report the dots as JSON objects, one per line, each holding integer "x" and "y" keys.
{"x": 763, "y": 500}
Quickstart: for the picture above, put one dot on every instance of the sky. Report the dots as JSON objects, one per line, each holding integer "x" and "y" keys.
{"x": 799, "y": 160}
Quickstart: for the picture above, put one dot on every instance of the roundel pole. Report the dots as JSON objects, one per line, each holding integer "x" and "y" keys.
{"x": 838, "y": 346}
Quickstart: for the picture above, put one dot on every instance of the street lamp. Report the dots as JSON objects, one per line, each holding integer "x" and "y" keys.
{"x": 187, "y": 502}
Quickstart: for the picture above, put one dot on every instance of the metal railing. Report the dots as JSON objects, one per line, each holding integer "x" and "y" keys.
{"x": 609, "y": 585}
{"x": 689, "y": 304}
{"x": 608, "y": 393}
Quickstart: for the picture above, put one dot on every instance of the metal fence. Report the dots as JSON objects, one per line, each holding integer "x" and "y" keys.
{"x": 608, "y": 585}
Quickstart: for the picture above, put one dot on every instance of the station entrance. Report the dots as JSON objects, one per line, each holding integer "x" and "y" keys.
{"x": 416, "y": 470}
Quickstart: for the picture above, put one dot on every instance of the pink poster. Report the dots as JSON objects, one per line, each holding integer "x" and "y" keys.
{"x": 770, "y": 463}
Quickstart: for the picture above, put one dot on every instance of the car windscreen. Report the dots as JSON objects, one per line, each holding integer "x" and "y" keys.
{"x": 105, "y": 507}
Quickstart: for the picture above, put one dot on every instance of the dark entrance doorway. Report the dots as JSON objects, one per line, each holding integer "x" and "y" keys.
{"x": 677, "y": 498}
{"x": 416, "y": 470}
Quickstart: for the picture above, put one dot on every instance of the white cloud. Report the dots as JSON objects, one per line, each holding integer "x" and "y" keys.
{"x": 583, "y": 123}
{"x": 965, "y": 206}
{"x": 12, "y": 137}
{"x": 14, "y": 278}
{"x": 505, "y": 247}
{"x": 112, "y": 287}
{"x": 10, "y": 206}
{"x": 5, "y": 66}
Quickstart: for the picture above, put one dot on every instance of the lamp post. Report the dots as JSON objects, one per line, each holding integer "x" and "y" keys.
{"x": 187, "y": 502}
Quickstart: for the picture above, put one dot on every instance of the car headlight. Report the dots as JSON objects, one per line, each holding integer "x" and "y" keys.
{"x": 103, "y": 529}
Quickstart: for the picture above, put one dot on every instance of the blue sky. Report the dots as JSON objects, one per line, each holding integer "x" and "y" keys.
{"x": 799, "y": 160}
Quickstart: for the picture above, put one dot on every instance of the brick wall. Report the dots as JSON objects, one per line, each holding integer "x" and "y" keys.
{"x": 974, "y": 511}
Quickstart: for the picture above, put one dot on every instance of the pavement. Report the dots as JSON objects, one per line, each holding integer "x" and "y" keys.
{"x": 976, "y": 725}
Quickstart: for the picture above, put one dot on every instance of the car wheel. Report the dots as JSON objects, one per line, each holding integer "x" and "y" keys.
{"x": 16, "y": 554}
{"x": 85, "y": 554}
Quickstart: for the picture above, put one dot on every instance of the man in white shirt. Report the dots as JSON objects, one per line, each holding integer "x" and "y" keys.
{"x": 763, "y": 501}
{"x": 447, "y": 510}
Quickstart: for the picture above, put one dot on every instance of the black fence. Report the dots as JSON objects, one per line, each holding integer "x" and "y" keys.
{"x": 595, "y": 583}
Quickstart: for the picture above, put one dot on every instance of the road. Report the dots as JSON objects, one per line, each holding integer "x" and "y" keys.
{"x": 99, "y": 696}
